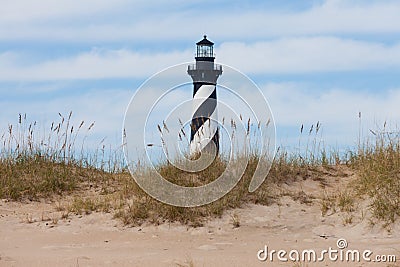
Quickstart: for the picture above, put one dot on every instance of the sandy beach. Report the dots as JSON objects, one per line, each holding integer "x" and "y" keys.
{"x": 33, "y": 234}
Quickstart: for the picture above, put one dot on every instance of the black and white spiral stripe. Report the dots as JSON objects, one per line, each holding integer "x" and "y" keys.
{"x": 204, "y": 127}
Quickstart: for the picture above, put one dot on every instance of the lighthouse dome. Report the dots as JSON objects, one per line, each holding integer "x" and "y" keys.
{"x": 205, "y": 41}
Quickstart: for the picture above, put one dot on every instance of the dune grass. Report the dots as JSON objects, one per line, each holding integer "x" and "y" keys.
{"x": 36, "y": 165}
{"x": 56, "y": 165}
{"x": 378, "y": 165}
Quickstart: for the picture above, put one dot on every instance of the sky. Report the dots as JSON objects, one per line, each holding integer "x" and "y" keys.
{"x": 315, "y": 61}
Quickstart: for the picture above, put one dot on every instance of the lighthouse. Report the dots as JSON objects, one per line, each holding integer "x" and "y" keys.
{"x": 204, "y": 135}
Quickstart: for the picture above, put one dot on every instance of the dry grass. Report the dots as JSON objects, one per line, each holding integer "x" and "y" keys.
{"x": 378, "y": 164}
{"x": 54, "y": 166}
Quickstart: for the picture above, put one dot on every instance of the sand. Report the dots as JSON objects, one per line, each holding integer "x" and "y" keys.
{"x": 31, "y": 234}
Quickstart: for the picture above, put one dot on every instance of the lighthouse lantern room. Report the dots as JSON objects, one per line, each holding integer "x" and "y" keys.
{"x": 205, "y": 50}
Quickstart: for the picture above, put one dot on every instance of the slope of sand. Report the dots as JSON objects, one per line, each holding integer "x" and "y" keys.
{"x": 31, "y": 234}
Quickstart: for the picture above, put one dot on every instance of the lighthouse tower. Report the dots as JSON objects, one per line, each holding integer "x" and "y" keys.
{"x": 204, "y": 126}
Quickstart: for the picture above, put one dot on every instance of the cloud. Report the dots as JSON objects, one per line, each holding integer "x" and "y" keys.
{"x": 336, "y": 109}
{"x": 22, "y": 11}
{"x": 292, "y": 104}
{"x": 313, "y": 54}
{"x": 288, "y": 55}
{"x": 139, "y": 22}
{"x": 96, "y": 64}
{"x": 105, "y": 107}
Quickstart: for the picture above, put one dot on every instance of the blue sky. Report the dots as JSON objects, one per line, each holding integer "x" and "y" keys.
{"x": 314, "y": 60}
